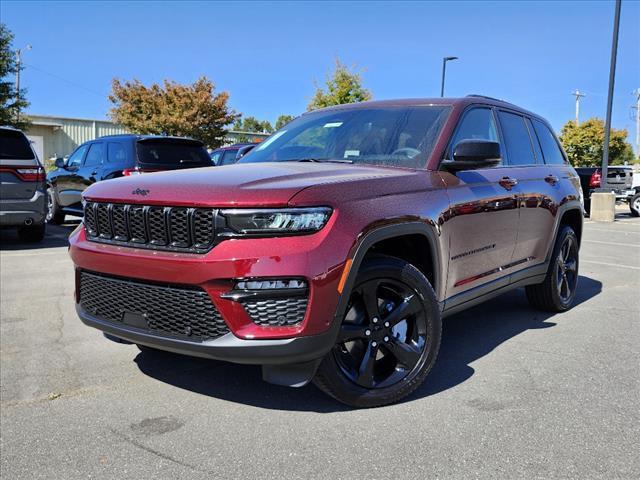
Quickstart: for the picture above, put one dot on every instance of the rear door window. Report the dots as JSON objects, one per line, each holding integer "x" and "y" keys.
{"x": 550, "y": 148}
{"x": 172, "y": 154}
{"x": 14, "y": 145}
{"x": 116, "y": 152}
{"x": 95, "y": 156}
{"x": 516, "y": 139}
{"x": 215, "y": 158}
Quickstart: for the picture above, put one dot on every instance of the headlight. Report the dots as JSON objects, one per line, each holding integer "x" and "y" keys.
{"x": 285, "y": 220}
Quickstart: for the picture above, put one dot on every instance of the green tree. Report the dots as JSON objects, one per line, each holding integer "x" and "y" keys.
{"x": 343, "y": 86}
{"x": 584, "y": 143}
{"x": 173, "y": 109}
{"x": 283, "y": 120}
{"x": 12, "y": 101}
{"x": 252, "y": 124}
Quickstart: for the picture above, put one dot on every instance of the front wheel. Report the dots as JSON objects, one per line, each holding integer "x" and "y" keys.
{"x": 634, "y": 205}
{"x": 558, "y": 291}
{"x": 389, "y": 338}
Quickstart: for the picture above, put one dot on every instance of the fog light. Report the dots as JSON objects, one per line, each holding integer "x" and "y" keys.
{"x": 287, "y": 283}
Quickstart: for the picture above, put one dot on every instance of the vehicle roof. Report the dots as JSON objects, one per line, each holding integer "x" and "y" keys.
{"x": 415, "y": 102}
{"x": 235, "y": 146}
{"x": 133, "y": 136}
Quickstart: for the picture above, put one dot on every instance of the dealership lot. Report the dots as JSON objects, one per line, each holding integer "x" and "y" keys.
{"x": 515, "y": 394}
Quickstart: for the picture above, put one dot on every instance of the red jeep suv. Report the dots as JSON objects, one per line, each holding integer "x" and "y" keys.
{"x": 334, "y": 249}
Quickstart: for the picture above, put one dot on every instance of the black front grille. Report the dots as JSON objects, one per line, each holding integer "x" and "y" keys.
{"x": 160, "y": 228}
{"x": 176, "y": 311}
{"x": 276, "y": 312}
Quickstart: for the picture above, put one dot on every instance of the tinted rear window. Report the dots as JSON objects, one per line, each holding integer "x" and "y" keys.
{"x": 170, "y": 154}
{"x": 15, "y": 146}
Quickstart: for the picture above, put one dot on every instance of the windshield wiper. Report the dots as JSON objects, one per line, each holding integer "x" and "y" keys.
{"x": 322, "y": 160}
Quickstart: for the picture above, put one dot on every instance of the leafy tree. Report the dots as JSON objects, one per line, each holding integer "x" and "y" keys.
{"x": 283, "y": 120}
{"x": 584, "y": 143}
{"x": 252, "y": 124}
{"x": 12, "y": 102}
{"x": 172, "y": 109}
{"x": 343, "y": 86}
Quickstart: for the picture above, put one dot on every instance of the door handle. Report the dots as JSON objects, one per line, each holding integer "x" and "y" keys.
{"x": 552, "y": 179}
{"x": 94, "y": 172}
{"x": 508, "y": 182}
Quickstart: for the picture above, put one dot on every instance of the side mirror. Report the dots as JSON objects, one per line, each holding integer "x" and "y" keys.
{"x": 474, "y": 154}
{"x": 59, "y": 163}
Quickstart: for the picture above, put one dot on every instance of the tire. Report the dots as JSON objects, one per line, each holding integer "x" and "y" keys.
{"x": 557, "y": 292}
{"x": 32, "y": 233}
{"x": 405, "y": 346}
{"x": 55, "y": 215}
{"x": 634, "y": 205}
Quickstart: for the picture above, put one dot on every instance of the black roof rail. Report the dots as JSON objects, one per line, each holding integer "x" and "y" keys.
{"x": 488, "y": 98}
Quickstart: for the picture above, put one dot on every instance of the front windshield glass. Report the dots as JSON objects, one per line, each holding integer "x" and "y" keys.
{"x": 397, "y": 136}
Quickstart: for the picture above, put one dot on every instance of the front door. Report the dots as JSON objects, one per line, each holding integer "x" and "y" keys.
{"x": 482, "y": 222}
{"x": 67, "y": 182}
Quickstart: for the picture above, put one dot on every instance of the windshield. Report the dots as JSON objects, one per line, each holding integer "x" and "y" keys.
{"x": 172, "y": 154}
{"x": 397, "y": 136}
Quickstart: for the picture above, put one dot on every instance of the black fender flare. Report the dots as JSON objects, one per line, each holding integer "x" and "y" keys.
{"x": 374, "y": 236}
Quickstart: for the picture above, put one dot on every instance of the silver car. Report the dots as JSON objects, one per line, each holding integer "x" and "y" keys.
{"x": 22, "y": 186}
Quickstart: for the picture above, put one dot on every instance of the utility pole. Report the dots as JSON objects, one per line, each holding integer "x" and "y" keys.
{"x": 18, "y": 68}
{"x": 578, "y": 95}
{"x": 612, "y": 81}
{"x": 636, "y": 92}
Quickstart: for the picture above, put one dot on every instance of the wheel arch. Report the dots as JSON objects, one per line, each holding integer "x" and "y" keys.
{"x": 418, "y": 242}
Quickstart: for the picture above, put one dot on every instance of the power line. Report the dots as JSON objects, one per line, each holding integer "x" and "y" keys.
{"x": 70, "y": 82}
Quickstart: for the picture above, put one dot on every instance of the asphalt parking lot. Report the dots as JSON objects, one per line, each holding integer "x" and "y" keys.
{"x": 515, "y": 394}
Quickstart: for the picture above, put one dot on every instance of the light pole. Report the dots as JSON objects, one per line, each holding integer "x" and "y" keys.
{"x": 444, "y": 69}
{"x": 18, "y": 68}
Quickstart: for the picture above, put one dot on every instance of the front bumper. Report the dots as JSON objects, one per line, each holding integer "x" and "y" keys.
{"x": 228, "y": 347}
{"x": 16, "y": 212}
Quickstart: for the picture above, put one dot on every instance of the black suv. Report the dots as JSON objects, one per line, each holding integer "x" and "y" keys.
{"x": 112, "y": 157}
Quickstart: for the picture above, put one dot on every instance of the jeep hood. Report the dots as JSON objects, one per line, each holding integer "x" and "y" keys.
{"x": 245, "y": 184}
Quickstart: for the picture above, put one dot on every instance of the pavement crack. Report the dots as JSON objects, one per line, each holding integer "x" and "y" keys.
{"x": 158, "y": 454}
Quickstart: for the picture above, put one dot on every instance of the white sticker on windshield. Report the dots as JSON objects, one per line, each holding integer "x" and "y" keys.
{"x": 351, "y": 153}
{"x": 332, "y": 125}
{"x": 270, "y": 140}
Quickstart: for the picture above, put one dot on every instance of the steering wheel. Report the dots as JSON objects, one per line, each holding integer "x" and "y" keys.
{"x": 407, "y": 152}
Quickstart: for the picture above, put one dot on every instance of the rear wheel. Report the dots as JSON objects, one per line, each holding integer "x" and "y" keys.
{"x": 31, "y": 233}
{"x": 389, "y": 338}
{"x": 55, "y": 215}
{"x": 634, "y": 205}
{"x": 558, "y": 291}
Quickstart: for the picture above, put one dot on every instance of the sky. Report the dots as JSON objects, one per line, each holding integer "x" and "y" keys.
{"x": 268, "y": 55}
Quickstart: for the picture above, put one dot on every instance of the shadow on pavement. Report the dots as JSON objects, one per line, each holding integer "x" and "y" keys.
{"x": 56, "y": 236}
{"x": 467, "y": 337}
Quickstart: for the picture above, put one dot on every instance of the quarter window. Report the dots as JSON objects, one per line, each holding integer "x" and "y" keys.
{"x": 516, "y": 139}
{"x": 229, "y": 157}
{"x": 550, "y": 148}
{"x": 95, "y": 155}
{"x": 117, "y": 153}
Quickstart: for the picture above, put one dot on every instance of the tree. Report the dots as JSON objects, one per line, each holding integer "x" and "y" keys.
{"x": 252, "y": 124}
{"x": 343, "y": 86}
{"x": 283, "y": 120}
{"x": 172, "y": 109}
{"x": 12, "y": 101}
{"x": 584, "y": 143}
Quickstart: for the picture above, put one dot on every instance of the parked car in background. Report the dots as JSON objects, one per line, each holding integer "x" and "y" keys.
{"x": 619, "y": 180}
{"x": 112, "y": 157}
{"x": 333, "y": 250}
{"x": 22, "y": 186}
{"x": 231, "y": 154}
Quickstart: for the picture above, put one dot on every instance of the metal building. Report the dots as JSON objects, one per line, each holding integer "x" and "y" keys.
{"x": 54, "y": 136}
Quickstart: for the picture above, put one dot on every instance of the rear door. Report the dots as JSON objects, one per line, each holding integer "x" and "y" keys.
{"x": 538, "y": 188}
{"x": 483, "y": 221}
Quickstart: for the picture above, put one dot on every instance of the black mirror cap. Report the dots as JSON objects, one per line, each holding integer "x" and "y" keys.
{"x": 473, "y": 154}
{"x": 59, "y": 163}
